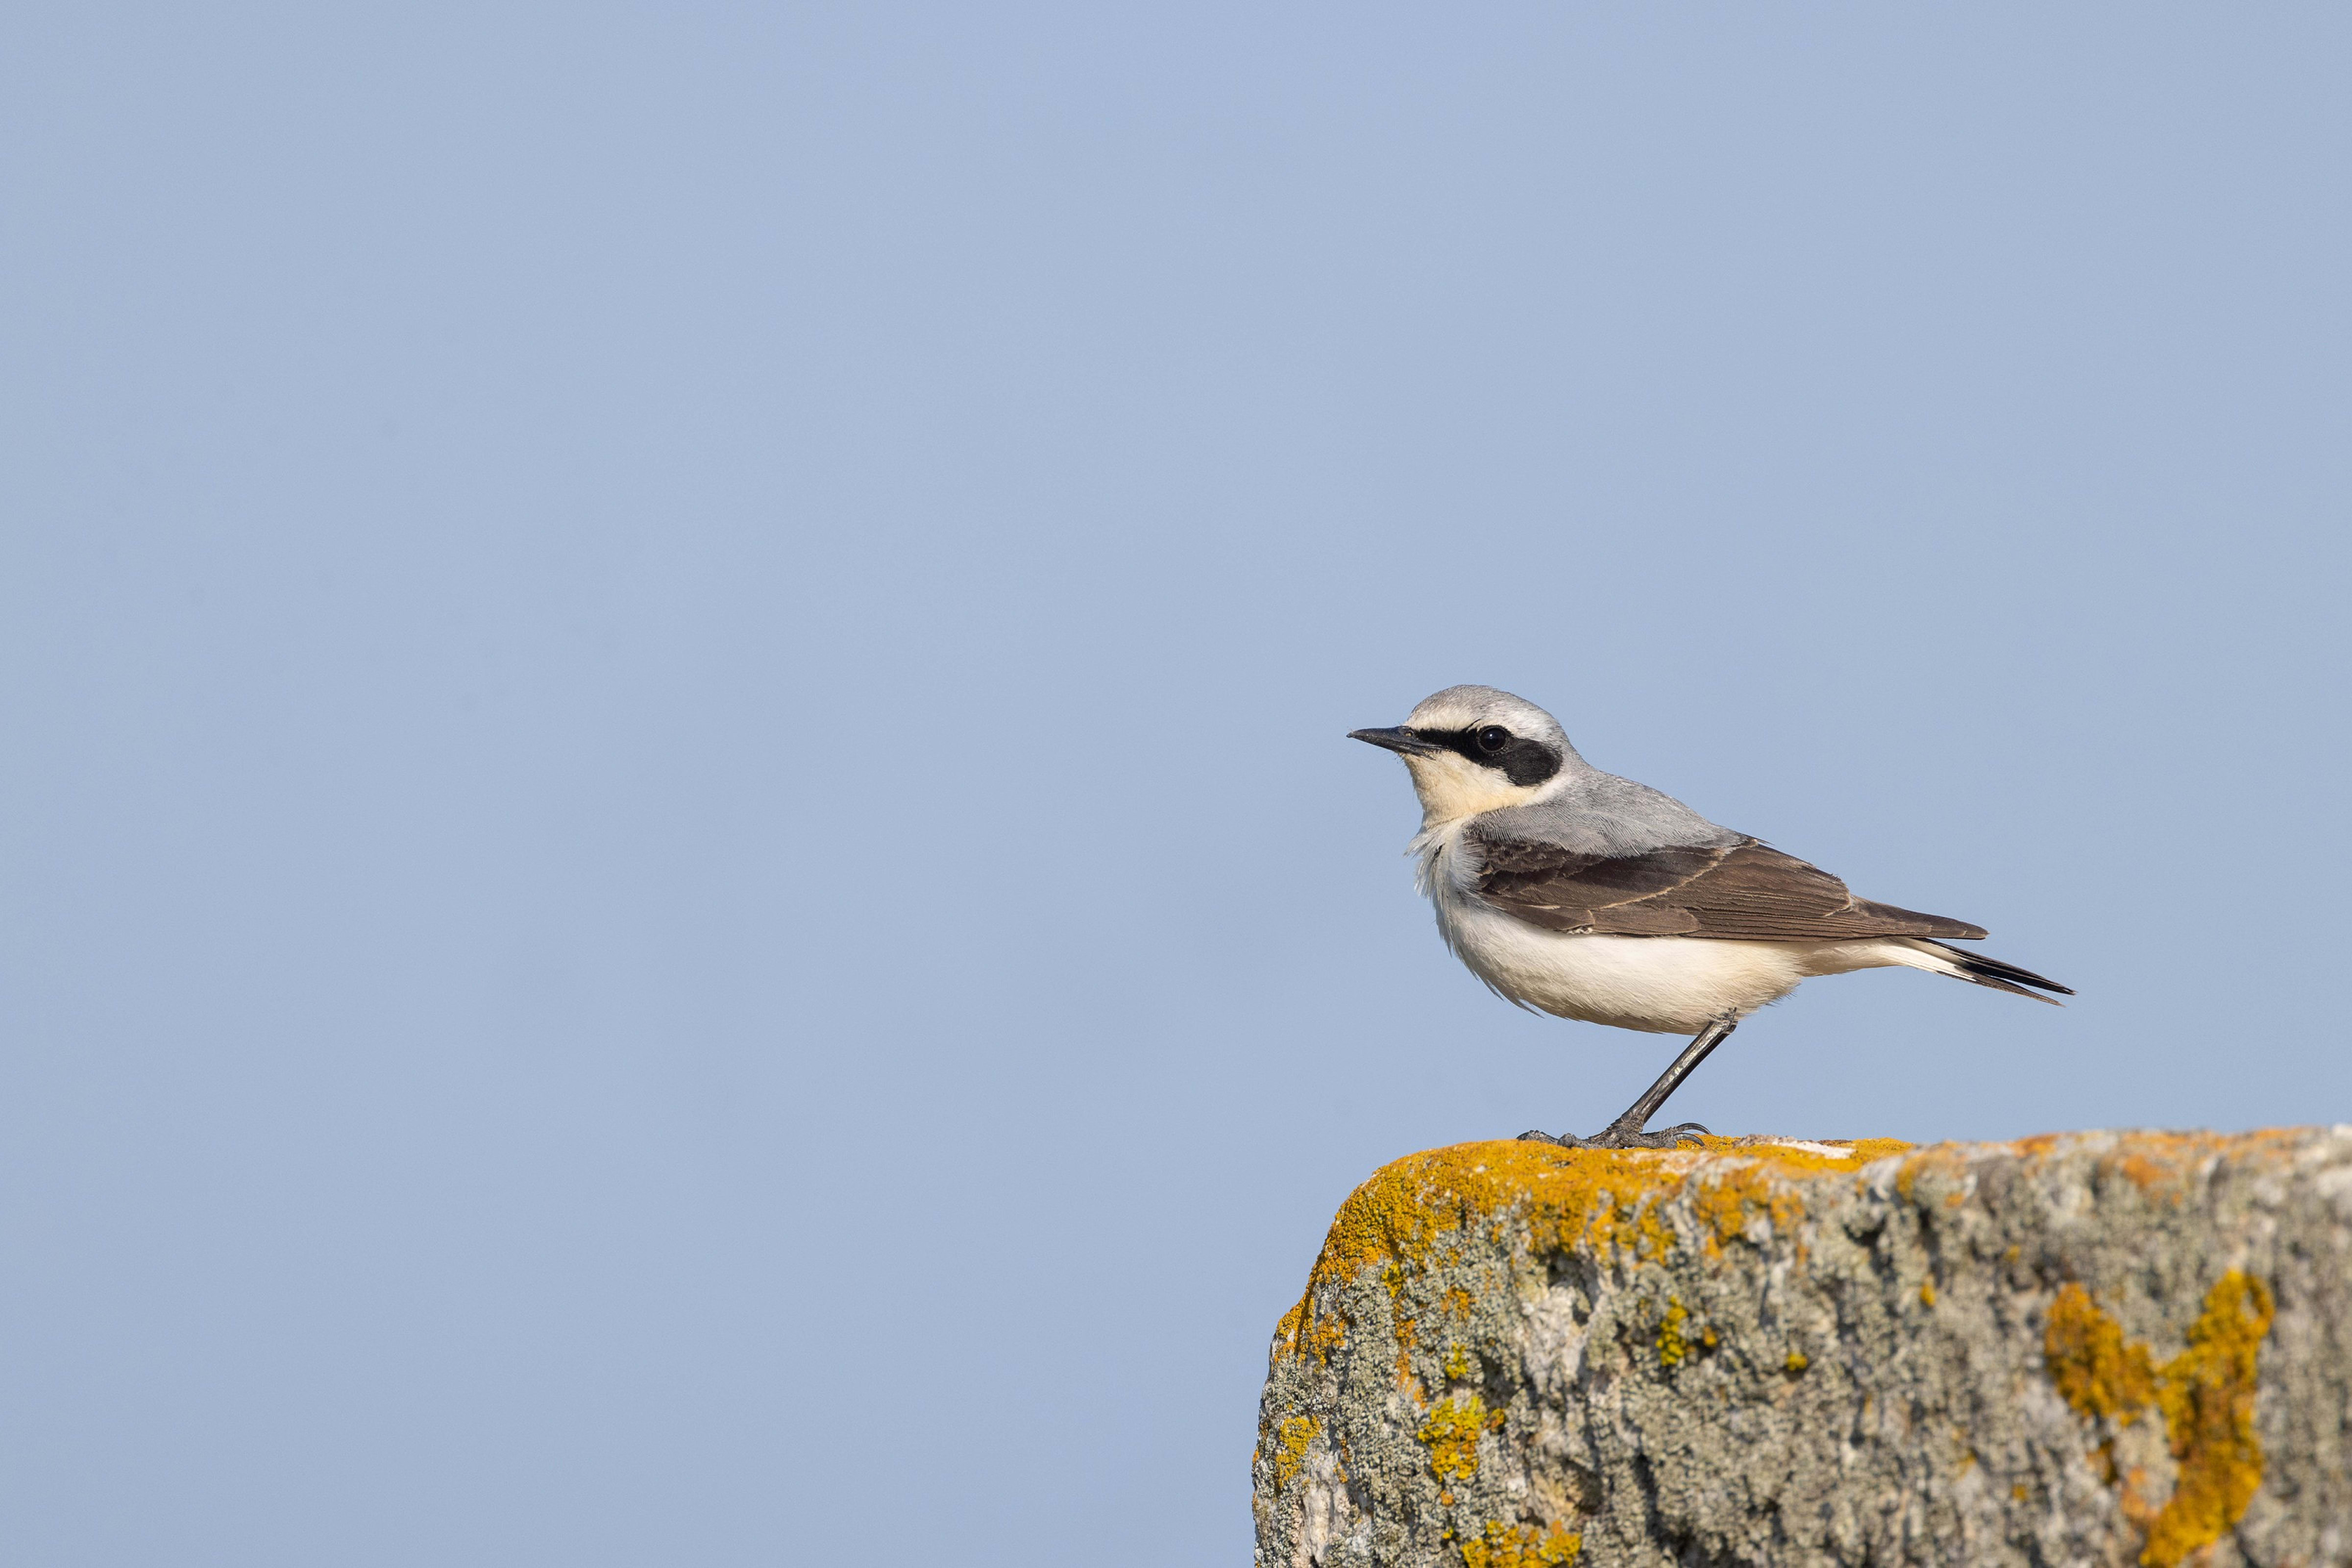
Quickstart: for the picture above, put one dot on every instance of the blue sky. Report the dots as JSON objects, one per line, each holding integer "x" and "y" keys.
{"x": 683, "y": 884}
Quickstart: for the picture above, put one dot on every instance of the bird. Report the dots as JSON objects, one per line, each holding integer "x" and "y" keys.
{"x": 1573, "y": 892}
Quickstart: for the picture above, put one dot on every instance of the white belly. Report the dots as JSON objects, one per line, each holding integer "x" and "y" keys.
{"x": 1662, "y": 983}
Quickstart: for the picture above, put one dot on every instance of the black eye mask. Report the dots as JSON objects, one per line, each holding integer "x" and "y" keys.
{"x": 1516, "y": 757}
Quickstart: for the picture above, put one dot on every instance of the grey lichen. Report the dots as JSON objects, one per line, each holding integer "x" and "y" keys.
{"x": 2101, "y": 1348}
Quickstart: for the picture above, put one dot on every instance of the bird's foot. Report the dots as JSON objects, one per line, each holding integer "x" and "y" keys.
{"x": 1620, "y": 1136}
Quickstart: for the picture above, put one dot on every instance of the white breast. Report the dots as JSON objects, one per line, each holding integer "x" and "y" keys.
{"x": 1661, "y": 983}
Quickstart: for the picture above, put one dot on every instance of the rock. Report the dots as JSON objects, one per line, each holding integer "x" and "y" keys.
{"x": 2107, "y": 1348}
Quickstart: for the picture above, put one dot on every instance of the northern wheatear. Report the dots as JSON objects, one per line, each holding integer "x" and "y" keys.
{"x": 1579, "y": 894}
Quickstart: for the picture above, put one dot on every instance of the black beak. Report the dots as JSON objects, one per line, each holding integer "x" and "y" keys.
{"x": 1399, "y": 740}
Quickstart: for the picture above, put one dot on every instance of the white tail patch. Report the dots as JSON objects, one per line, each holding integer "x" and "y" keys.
{"x": 1914, "y": 954}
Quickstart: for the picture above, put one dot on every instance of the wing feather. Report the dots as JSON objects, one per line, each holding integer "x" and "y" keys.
{"x": 1748, "y": 890}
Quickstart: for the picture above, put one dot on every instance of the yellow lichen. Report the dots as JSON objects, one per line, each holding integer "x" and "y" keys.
{"x": 2097, "y": 1372}
{"x": 1286, "y": 1333}
{"x": 1672, "y": 1346}
{"x": 1796, "y": 1361}
{"x": 1943, "y": 1159}
{"x": 1521, "y": 1546}
{"x": 1459, "y": 1363}
{"x": 1452, "y": 1432}
{"x": 1907, "y": 1176}
{"x": 1413, "y": 1213}
{"x": 1926, "y": 1293}
{"x": 2207, "y": 1396}
{"x": 1725, "y": 1202}
{"x": 1290, "y": 1442}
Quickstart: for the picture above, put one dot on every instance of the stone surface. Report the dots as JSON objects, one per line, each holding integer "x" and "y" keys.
{"x": 2103, "y": 1348}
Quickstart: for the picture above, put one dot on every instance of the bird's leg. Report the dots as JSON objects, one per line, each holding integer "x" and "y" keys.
{"x": 1625, "y": 1132}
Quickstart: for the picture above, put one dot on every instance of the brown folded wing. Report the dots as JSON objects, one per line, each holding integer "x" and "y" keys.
{"x": 1748, "y": 890}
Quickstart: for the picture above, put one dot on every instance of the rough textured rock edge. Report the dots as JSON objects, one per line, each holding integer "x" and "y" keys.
{"x": 2101, "y": 1348}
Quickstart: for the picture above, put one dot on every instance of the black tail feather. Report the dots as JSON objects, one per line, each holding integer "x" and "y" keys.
{"x": 2001, "y": 976}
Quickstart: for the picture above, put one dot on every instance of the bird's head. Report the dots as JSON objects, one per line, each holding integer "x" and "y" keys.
{"x": 1473, "y": 749}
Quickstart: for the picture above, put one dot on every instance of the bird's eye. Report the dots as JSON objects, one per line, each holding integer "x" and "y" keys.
{"x": 1494, "y": 737}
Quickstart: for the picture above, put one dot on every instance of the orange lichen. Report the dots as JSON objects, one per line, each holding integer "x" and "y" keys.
{"x": 1452, "y": 1432}
{"x": 2164, "y": 1166}
{"x": 2207, "y": 1396}
{"x": 1408, "y": 1334}
{"x": 1521, "y": 1546}
{"x": 1290, "y": 1442}
{"x": 2160, "y": 1164}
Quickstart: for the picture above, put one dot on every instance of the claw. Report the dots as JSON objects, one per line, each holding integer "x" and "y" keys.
{"x": 1625, "y": 1132}
{"x": 1664, "y": 1138}
{"x": 1621, "y": 1138}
